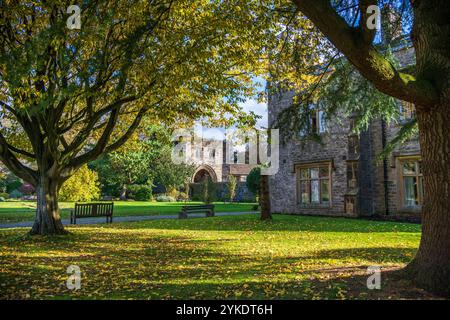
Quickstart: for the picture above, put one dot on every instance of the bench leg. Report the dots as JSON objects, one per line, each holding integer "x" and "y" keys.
{"x": 182, "y": 215}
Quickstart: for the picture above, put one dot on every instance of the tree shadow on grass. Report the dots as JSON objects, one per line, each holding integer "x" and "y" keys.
{"x": 279, "y": 223}
{"x": 346, "y": 283}
{"x": 132, "y": 263}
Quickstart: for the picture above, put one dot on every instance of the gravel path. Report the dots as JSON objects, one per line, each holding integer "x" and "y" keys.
{"x": 28, "y": 224}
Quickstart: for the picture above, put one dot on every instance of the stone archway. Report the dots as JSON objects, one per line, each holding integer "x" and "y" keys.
{"x": 201, "y": 172}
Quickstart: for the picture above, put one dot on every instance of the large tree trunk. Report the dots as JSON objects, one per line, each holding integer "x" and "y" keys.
{"x": 48, "y": 219}
{"x": 431, "y": 266}
{"x": 264, "y": 198}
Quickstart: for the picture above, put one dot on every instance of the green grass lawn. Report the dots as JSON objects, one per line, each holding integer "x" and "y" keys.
{"x": 212, "y": 258}
{"x": 13, "y": 211}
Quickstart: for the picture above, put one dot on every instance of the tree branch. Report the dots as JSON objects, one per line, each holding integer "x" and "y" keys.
{"x": 77, "y": 162}
{"x": 354, "y": 44}
{"x": 14, "y": 165}
{"x": 20, "y": 151}
{"x": 84, "y": 133}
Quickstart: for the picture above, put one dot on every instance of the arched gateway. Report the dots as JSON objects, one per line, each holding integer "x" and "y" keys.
{"x": 202, "y": 171}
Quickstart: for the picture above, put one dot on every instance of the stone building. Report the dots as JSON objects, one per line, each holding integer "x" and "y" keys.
{"x": 211, "y": 157}
{"x": 214, "y": 158}
{"x": 341, "y": 175}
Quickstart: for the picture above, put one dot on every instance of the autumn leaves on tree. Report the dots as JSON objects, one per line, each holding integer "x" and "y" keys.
{"x": 69, "y": 96}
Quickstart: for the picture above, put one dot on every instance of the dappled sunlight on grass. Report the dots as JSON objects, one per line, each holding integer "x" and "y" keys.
{"x": 222, "y": 257}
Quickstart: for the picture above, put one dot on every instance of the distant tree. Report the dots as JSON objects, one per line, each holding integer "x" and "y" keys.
{"x": 169, "y": 174}
{"x": 208, "y": 189}
{"x": 253, "y": 181}
{"x": 145, "y": 159}
{"x": 232, "y": 184}
{"x": 258, "y": 184}
{"x": 121, "y": 169}
{"x": 12, "y": 182}
{"x": 82, "y": 186}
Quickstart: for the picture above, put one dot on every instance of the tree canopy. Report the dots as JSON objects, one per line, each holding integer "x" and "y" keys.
{"x": 68, "y": 96}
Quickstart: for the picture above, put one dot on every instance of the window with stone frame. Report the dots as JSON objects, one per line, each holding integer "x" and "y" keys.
{"x": 407, "y": 110}
{"x": 352, "y": 174}
{"x": 353, "y": 145}
{"x": 317, "y": 123}
{"x": 198, "y": 153}
{"x": 235, "y": 156}
{"x": 314, "y": 184}
{"x": 411, "y": 182}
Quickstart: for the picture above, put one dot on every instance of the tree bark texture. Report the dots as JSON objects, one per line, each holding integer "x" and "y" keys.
{"x": 264, "y": 198}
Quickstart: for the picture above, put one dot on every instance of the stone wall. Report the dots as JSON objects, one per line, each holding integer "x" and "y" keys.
{"x": 409, "y": 148}
{"x": 333, "y": 148}
{"x": 378, "y": 181}
{"x": 378, "y": 190}
{"x": 243, "y": 194}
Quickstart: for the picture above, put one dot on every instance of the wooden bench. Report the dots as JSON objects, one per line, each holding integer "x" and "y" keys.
{"x": 207, "y": 208}
{"x": 89, "y": 210}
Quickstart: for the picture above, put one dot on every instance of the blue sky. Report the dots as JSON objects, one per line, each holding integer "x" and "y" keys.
{"x": 259, "y": 108}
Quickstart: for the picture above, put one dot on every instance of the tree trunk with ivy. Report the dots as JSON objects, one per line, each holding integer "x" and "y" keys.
{"x": 264, "y": 198}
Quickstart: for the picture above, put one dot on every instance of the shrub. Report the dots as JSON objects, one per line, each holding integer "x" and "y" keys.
{"x": 15, "y": 194}
{"x": 253, "y": 180}
{"x": 82, "y": 186}
{"x": 2, "y": 199}
{"x": 140, "y": 192}
{"x": 182, "y": 196}
{"x": 27, "y": 189}
{"x": 209, "y": 190}
{"x": 196, "y": 191}
{"x": 4, "y": 195}
{"x": 13, "y": 183}
{"x": 173, "y": 192}
{"x": 164, "y": 198}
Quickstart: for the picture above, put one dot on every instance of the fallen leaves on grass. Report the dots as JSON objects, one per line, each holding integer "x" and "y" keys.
{"x": 235, "y": 257}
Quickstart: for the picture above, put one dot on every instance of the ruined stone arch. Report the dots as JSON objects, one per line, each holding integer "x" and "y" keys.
{"x": 201, "y": 171}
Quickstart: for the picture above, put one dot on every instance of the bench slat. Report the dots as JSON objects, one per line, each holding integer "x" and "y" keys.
{"x": 208, "y": 209}
{"x": 83, "y": 210}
